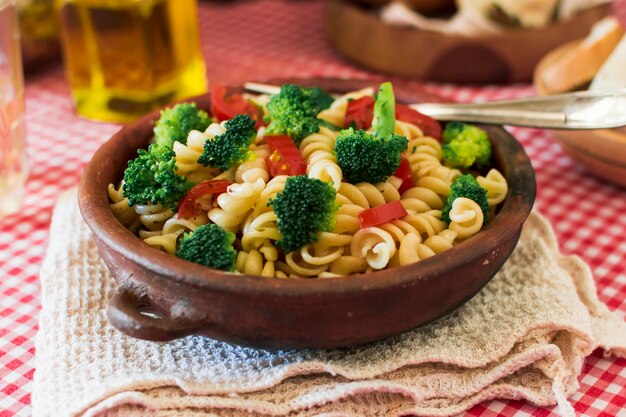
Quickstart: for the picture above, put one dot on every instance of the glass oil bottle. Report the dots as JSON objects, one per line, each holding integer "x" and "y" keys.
{"x": 124, "y": 58}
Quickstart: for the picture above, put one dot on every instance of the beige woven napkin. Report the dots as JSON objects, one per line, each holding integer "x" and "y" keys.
{"x": 525, "y": 336}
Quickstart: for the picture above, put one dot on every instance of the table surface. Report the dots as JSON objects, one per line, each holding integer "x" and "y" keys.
{"x": 588, "y": 215}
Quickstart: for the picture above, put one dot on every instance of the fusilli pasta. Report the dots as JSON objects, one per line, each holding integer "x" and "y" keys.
{"x": 348, "y": 247}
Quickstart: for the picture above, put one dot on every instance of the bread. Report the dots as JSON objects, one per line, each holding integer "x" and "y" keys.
{"x": 612, "y": 74}
{"x": 580, "y": 65}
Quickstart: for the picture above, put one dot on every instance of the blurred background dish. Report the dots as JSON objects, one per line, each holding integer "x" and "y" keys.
{"x": 495, "y": 55}
{"x": 575, "y": 66}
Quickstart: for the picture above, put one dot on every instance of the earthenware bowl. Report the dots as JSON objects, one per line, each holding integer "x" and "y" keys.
{"x": 161, "y": 297}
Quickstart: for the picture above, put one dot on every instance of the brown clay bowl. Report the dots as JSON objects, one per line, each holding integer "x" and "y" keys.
{"x": 161, "y": 297}
{"x": 360, "y": 35}
{"x": 602, "y": 152}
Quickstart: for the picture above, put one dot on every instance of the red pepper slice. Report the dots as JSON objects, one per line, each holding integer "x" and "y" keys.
{"x": 285, "y": 158}
{"x": 225, "y": 108}
{"x": 427, "y": 124}
{"x": 360, "y": 112}
{"x": 382, "y": 214}
{"x": 187, "y": 207}
{"x": 405, "y": 173}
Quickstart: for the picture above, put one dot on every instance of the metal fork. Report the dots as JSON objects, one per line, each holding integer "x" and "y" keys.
{"x": 578, "y": 110}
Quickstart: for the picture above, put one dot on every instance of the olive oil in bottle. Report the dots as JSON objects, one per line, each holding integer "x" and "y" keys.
{"x": 126, "y": 57}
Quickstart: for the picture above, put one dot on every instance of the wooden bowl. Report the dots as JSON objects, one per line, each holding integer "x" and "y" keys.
{"x": 360, "y": 35}
{"x": 161, "y": 297}
{"x": 425, "y": 7}
{"x": 602, "y": 152}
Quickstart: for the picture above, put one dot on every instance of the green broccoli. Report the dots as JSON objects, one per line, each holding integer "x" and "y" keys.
{"x": 321, "y": 99}
{"x": 232, "y": 146}
{"x": 305, "y": 207}
{"x": 294, "y": 111}
{"x": 209, "y": 245}
{"x": 175, "y": 124}
{"x": 465, "y": 145}
{"x": 466, "y": 186}
{"x": 151, "y": 178}
{"x": 372, "y": 157}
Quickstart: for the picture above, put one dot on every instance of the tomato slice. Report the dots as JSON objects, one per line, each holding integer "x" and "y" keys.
{"x": 427, "y": 124}
{"x": 285, "y": 158}
{"x": 405, "y": 173}
{"x": 225, "y": 108}
{"x": 360, "y": 112}
{"x": 187, "y": 207}
{"x": 382, "y": 214}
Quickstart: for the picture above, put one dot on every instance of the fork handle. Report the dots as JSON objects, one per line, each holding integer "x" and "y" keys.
{"x": 579, "y": 110}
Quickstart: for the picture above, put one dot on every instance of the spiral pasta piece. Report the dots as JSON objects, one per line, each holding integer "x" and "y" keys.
{"x": 301, "y": 268}
{"x": 252, "y": 170}
{"x": 374, "y": 245}
{"x": 426, "y": 224}
{"x": 398, "y": 229}
{"x": 318, "y": 151}
{"x": 381, "y": 193}
{"x": 353, "y": 199}
{"x": 122, "y": 210}
{"x": 328, "y": 248}
{"x": 254, "y": 263}
{"x": 187, "y": 154}
{"x": 152, "y": 217}
{"x": 423, "y": 153}
{"x": 350, "y": 194}
{"x": 421, "y": 199}
{"x": 273, "y": 187}
{"x": 167, "y": 238}
{"x": 260, "y": 228}
{"x": 259, "y": 231}
{"x": 348, "y": 264}
{"x": 466, "y": 217}
{"x": 347, "y": 218}
{"x": 412, "y": 249}
{"x": 496, "y": 187}
{"x": 236, "y": 203}
{"x": 408, "y": 130}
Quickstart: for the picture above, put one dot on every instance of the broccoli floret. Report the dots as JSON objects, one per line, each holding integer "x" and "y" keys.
{"x": 372, "y": 157}
{"x": 151, "y": 178}
{"x": 175, "y": 124}
{"x": 232, "y": 146}
{"x": 465, "y": 145}
{"x": 209, "y": 245}
{"x": 294, "y": 111}
{"x": 364, "y": 157}
{"x": 305, "y": 207}
{"x": 466, "y": 186}
{"x": 320, "y": 98}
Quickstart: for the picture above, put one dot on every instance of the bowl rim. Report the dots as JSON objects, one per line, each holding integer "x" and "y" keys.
{"x": 94, "y": 207}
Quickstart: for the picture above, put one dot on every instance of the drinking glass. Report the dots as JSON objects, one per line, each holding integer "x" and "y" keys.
{"x": 13, "y": 165}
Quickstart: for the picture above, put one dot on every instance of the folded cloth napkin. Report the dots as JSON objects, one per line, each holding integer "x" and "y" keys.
{"x": 524, "y": 336}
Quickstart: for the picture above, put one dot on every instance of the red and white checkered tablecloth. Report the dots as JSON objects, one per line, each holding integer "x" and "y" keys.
{"x": 272, "y": 38}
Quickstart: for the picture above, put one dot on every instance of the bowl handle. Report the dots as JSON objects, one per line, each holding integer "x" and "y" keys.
{"x": 124, "y": 313}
